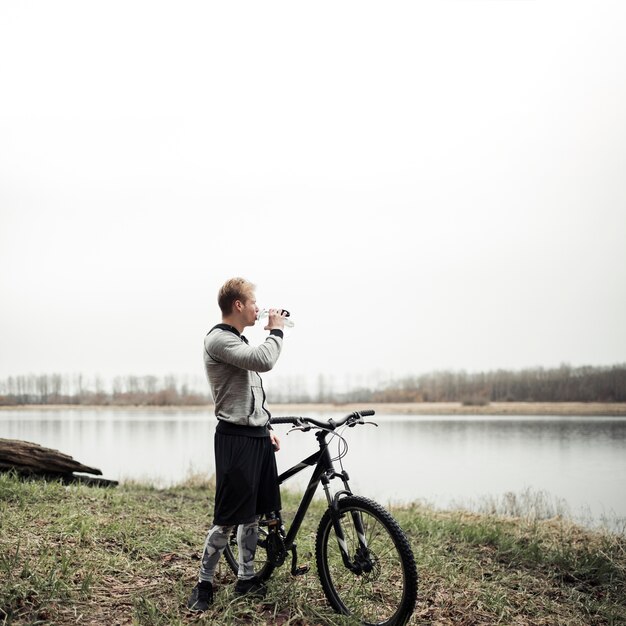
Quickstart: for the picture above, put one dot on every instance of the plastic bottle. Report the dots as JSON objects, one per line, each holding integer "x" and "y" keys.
{"x": 264, "y": 314}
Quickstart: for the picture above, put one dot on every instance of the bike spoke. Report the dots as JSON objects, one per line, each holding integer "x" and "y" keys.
{"x": 371, "y": 594}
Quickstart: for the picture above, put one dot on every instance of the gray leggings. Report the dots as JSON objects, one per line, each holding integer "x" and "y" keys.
{"x": 216, "y": 540}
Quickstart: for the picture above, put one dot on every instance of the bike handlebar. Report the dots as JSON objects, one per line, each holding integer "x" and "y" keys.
{"x": 330, "y": 424}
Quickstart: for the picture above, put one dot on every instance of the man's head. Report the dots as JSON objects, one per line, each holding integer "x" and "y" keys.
{"x": 237, "y": 302}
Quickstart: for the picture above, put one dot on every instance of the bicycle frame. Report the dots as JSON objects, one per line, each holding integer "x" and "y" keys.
{"x": 324, "y": 472}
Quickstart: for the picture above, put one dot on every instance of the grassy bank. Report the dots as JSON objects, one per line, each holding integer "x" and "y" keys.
{"x": 129, "y": 555}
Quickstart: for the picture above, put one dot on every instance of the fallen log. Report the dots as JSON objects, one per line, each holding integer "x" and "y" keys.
{"x": 31, "y": 459}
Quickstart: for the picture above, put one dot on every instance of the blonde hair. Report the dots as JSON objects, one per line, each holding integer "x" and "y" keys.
{"x": 232, "y": 290}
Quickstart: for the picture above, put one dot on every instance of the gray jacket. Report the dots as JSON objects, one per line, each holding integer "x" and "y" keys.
{"x": 232, "y": 367}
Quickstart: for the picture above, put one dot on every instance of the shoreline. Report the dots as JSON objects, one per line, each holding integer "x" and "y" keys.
{"x": 457, "y": 408}
{"x": 597, "y": 409}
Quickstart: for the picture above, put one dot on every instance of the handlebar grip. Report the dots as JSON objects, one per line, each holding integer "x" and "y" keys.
{"x": 283, "y": 420}
{"x": 367, "y": 413}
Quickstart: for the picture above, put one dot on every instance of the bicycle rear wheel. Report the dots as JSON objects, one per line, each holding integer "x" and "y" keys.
{"x": 379, "y": 586}
{"x": 262, "y": 568}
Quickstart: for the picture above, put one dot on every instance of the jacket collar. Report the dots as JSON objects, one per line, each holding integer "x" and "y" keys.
{"x": 229, "y": 328}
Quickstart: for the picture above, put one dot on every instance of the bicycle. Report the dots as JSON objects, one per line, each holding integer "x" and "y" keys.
{"x": 364, "y": 561}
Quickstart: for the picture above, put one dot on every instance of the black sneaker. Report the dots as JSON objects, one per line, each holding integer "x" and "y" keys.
{"x": 201, "y": 596}
{"x": 251, "y": 586}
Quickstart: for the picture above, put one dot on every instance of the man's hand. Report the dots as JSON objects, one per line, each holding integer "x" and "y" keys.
{"x": 275, "y": 320}
{"x": 275, "y": 441}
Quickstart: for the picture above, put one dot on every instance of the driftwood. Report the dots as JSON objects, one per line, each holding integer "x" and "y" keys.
{"x": 31, "y": 459}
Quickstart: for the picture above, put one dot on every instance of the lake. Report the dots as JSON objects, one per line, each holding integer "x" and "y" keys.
{"x": 573, "y": 465}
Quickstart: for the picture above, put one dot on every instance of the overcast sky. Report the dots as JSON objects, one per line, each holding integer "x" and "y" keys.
{"x": 425, "y": 185}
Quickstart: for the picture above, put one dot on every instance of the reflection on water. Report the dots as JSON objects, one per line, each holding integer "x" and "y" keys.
{"x": 442, "y": 460}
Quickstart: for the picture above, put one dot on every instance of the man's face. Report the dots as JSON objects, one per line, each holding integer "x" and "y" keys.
{"x": 250, "y": 311}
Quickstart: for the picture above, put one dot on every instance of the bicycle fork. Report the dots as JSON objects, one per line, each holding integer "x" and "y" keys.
{"x": 360, "y": 562}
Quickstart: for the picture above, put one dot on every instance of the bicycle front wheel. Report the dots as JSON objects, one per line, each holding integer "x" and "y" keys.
{"x": 377, "y": 582}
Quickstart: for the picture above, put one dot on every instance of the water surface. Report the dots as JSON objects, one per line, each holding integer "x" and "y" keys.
{"x": 578, "y": 462}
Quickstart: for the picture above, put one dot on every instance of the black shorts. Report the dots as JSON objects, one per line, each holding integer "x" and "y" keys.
{"x": 246, "y": 479}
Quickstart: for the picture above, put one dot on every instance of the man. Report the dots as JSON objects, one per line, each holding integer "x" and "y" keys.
{"x": 245, "y": 465}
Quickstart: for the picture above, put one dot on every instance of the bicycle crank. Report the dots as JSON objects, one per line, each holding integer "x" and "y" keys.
{"x": 295, "y": 570}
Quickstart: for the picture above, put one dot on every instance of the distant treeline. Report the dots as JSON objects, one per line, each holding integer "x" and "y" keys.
{"x": 562, "y": 384}
{"x": 122, "y": 391}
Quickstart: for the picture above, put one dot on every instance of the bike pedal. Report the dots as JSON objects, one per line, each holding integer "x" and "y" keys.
{"x": 300, "y": 571}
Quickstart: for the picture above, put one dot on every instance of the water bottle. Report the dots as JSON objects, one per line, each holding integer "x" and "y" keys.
{"x": 264, "y": 314}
